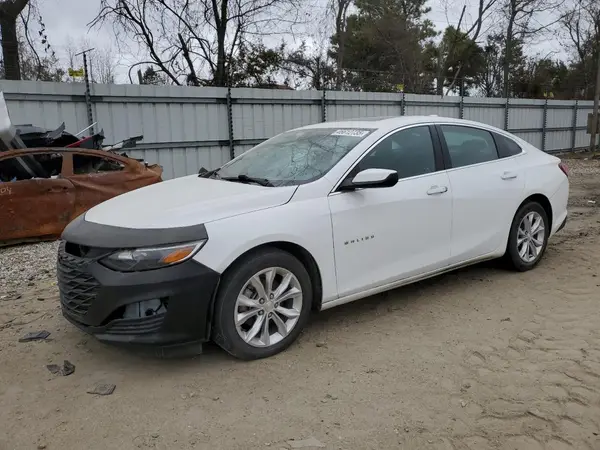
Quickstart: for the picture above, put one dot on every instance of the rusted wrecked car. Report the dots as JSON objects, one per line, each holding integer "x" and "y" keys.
{"x": 37, "y": 205}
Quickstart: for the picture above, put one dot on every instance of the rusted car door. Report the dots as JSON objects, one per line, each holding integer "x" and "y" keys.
{"x": 35, "y": 208}
{"x": 99, "y": 176}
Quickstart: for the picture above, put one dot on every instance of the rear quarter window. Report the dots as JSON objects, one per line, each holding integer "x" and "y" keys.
{"x": 506, "y": 146}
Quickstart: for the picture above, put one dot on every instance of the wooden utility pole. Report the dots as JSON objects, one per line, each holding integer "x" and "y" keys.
{"x": 596, "y": 101}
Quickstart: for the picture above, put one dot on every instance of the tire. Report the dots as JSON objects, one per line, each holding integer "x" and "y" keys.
{"x": 514, "y": 257}
{"x": 237, "y": 280}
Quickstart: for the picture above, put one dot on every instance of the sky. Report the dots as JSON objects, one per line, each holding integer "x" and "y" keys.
{"x": 67, "y": 21}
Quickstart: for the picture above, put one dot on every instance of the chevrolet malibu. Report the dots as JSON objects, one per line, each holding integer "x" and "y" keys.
{"x": 310, "y": 219}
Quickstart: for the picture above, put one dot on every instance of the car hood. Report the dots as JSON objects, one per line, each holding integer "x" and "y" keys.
{"x": 186, "y": 201}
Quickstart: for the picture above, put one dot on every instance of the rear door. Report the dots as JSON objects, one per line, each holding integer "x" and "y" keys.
{"x": 98, "y": 178}
{"x": 486, "y": 191}
{"x": 33, "y": 208}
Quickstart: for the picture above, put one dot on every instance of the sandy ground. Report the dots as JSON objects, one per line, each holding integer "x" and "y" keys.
{"x": 479, "y": 359}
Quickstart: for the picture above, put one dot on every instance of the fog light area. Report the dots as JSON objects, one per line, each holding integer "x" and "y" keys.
{"x": 146, "y": 308}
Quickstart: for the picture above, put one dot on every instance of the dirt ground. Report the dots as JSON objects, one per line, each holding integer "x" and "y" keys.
{"x": 478, "y": 359}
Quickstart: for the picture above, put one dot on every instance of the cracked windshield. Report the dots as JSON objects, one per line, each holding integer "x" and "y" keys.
{"x": 296, "y": 157}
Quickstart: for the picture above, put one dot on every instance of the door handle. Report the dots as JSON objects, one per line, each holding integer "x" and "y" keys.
{"x": 509, "y": 176}
{"x": 433, "y": 190}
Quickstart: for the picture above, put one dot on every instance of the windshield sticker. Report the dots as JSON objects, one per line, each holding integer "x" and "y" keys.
{"x": 350, "y": 132}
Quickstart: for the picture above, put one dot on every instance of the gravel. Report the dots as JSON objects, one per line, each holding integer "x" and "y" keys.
{"x": 23, "y": 266}
{"x": 583, "y": 166}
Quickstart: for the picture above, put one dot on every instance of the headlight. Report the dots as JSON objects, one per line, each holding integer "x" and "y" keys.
{"x": 139, "y": 259}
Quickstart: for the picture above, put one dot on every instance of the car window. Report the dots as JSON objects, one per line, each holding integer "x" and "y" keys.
{"x": 468, "y": 146}
{"x": 506, "y": 147}
{"x": 40, "y": 165}
{"x": 83, "y": 164}
{"x": 295, "y": 157}
{"x": 409, "y": 152}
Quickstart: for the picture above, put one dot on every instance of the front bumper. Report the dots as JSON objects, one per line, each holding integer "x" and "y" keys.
{"x": 94, "y": 298}
{"x": 562, "y": 225}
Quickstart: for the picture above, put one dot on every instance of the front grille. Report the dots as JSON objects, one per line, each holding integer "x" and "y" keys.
{"x": 78, "y": 288}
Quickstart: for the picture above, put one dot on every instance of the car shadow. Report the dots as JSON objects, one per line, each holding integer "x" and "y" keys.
{"x": 405, "y": 299}
{"x": 418, "y": 292}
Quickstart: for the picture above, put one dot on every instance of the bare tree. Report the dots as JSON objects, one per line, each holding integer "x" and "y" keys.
{"x": 71, "y": 49}
{"x": 581, "y": 23}
{"x": 340, "y": 10}
{"x": 522, "y": 23}
{"x": 101, "y": 60}
{"x": 37, "y": 59}
{"x": 184, "y": 38}
{"x": 103, "y": 65}
{"x": 472, "y": 33}
{"x": 9, "y": 13}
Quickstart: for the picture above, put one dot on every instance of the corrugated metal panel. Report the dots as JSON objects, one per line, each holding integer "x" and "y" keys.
{"x": 439, "y": 106}
{"x": 582, "y": 139}
{"x": 161, "y": 113}
{"x": 533, "y": 137}
{"x": 355, "y": 105}
{"x": 582, "y": 114}
{"x": 186, "y": 128}
{"x": 493, "y": 117}
{"x": 558, "y": 140}
{"x": 46, "y": 104}
{"x": 557, "y": 118}
{"x": 273, "y": 111}
{"x": 239, "y": 149}
{"x": 356, "y": 111}
{"x": 179, "y": 162}
{"x": 525, "y": 114}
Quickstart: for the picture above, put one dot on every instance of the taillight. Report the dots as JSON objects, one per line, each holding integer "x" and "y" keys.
{"x": 564, "y": 168}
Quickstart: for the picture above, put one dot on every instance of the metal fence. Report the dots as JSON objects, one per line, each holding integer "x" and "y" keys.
{"x": 186, "y": 128}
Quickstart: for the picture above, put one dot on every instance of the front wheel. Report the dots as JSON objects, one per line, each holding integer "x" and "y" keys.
{"x": 528, "y": 237}
{"x": 262, "y": 305}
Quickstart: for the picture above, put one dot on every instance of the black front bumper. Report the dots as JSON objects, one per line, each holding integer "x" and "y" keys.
{"x": 93, "y": 298}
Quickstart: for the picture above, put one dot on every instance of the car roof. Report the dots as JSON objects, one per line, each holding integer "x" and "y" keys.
{"x": 393, "y": 122}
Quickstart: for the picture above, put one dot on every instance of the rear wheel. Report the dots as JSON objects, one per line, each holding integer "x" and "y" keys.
{"x": 263, "y": 304}
{"x": 528, "y": 237}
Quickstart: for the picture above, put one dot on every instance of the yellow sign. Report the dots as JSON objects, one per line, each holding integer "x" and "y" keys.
{"x": 400, "y": 87}
{"x": 76, "y": 73}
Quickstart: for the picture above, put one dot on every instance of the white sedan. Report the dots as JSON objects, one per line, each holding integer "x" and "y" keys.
{"x": 310, "y": 219}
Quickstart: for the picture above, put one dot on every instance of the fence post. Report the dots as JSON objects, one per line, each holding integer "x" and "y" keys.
{"x": 324, "y": 106}
{"x": 403, "y": 104}
{"x": 574, "y": 131}
{"x": 230, "y": 123}
{"x": 544, "y": 123}
{"x": 461, "y": 106}
{"x": 88, "y": 97}
{"x": 506, "y": 110}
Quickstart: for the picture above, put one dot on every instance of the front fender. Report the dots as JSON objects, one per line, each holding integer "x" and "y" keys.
{"x": 305, "y": 223}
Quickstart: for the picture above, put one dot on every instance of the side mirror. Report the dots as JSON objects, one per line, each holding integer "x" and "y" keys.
{"x": 371, "y": 178}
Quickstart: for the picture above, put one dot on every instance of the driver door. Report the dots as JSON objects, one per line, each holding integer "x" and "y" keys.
{"x": 382, "y": 235}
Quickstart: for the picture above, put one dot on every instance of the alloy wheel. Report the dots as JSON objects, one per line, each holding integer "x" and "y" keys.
{"x": 268, "y": 307}
{"x": 531, "y": 236}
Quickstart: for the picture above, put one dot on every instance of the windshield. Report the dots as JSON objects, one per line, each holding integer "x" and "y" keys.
{"x": 295, "y": 157}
